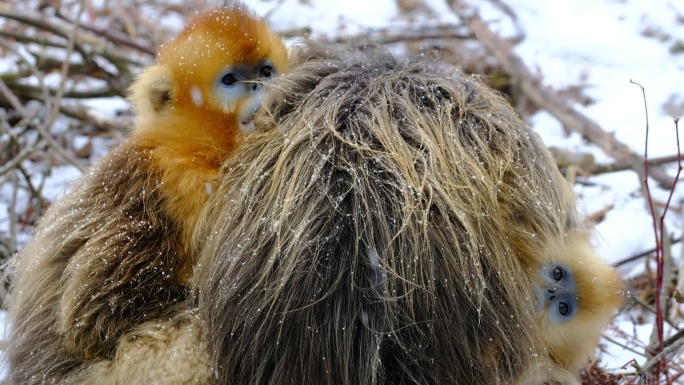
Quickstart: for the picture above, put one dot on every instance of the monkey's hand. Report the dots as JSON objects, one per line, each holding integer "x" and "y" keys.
{"x": 547, "y": 374}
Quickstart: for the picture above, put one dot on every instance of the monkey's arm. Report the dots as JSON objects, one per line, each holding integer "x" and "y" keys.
{"x": 127, "y": 270}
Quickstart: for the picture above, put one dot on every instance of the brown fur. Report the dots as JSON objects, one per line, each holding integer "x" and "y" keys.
{"x": 116, "y": 251}
{"x": 381, "y": 228}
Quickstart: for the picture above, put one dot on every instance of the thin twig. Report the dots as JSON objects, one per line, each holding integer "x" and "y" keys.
{"x": 65, "y": 68}
{"x": 33, "y": 92}
{"x": 652, "y": 309}
{"x": 642, "y": 254}
{"x": 86, "y": 114}
{"x": 12, "y": 99}
{"x": 29, "y": 63}
{"x": 42, "y": 128}
{"x": 22, "y": 38}
{"x": 54, "y": 110}
{"x": 656, "y": 233}
{"x": 12, "y": 244}
{"x": 383, "y": 36}
{"x": 35, "y": 192}
{"x": 38, "y": 21}
{"x": 273, "y": 9}
{"x": 14, "y": 162}
{"x": 110, "y": 35}
{"x": 648, "y": 366}
{"x": 674, "y": 338}
{"x": 624, "y": 346}
{"x": 615, "y": 167}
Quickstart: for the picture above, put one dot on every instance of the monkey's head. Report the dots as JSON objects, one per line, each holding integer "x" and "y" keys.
{"x": 212, "y": 72}
{"x": 577, "y": 295}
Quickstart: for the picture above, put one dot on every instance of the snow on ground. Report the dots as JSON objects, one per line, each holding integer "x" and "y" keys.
{"x": 600, "y": 44}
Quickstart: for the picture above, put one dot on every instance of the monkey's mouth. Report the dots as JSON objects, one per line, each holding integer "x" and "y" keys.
{"x": 247, "y": 111}
{"x": 247, "y": 126}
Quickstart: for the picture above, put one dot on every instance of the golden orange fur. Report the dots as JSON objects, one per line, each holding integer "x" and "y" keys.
{"x": 600, "y": 294}
{"x": 181, "y": 117}
{"x": 116, "y": 251}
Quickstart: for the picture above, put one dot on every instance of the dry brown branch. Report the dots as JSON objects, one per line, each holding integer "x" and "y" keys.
{"x": 594, "y": 374}
{"x": 599, "y": 215}
{"x": 624, "y": 346}
{"x": 614, "y": 167}
{"x": 38, "y": 21}
{"x": 382, "y": 36}
{"x": 32, "y": 92}
{"x": 679, "y": 287}
{"x": 55, "y": 104}
{"x": 112, "y": 36}
{"x": 86, "y": 114}
{"x": 650, "y": 364}
{"x": 12, "y": 99}
{"x": 28, "y": 39}
{"x": 548, "y": 99}
{"x": 14, "y": 162}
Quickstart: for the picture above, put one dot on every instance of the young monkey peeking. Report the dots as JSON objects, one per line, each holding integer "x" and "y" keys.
{"x": 116, "y": 251}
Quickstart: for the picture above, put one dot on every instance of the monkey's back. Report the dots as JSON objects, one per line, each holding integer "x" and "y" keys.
{"x": 370, "y": 231}
{"x": 104, "y": 260}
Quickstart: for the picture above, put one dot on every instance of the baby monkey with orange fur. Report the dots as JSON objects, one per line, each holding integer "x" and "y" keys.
{"x": 116, "y": 251}
{"x": 577, "y": 295}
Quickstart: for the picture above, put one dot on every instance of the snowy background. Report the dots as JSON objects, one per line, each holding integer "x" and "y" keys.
{"x": 588, "y": 50}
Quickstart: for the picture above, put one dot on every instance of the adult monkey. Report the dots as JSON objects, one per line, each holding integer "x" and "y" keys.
{"x": 386, "y": 224}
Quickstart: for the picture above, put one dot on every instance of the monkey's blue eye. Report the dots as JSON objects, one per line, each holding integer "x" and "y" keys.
{"x": 563, "y": 308}
{"x": 266, "y": 71}
{"x": 229, "y": 79}
{"x": 557, "y": 291}
{"x": 557, "y": 274}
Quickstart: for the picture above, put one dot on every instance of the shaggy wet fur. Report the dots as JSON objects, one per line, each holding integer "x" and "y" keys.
{"x": 78, "y": 278}
{"x": 381, "y": 228}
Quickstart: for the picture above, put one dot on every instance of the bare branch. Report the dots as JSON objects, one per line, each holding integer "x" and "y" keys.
{"x": 14, "y": 162}
{"x": 650, "y": 365}
{"x": 112, "y": 36}
{"x": 615, "y": 167}
{"x": 383, "y": 36}
{"x": 38, "y": 21}
{"x": 12, "y": 99}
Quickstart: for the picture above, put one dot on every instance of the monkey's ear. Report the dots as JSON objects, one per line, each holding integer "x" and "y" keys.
{"x": 150, "y": 93}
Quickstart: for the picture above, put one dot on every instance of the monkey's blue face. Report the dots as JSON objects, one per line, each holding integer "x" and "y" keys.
{"x": 557, "y": 293}
{"x": 239, "y": 89}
